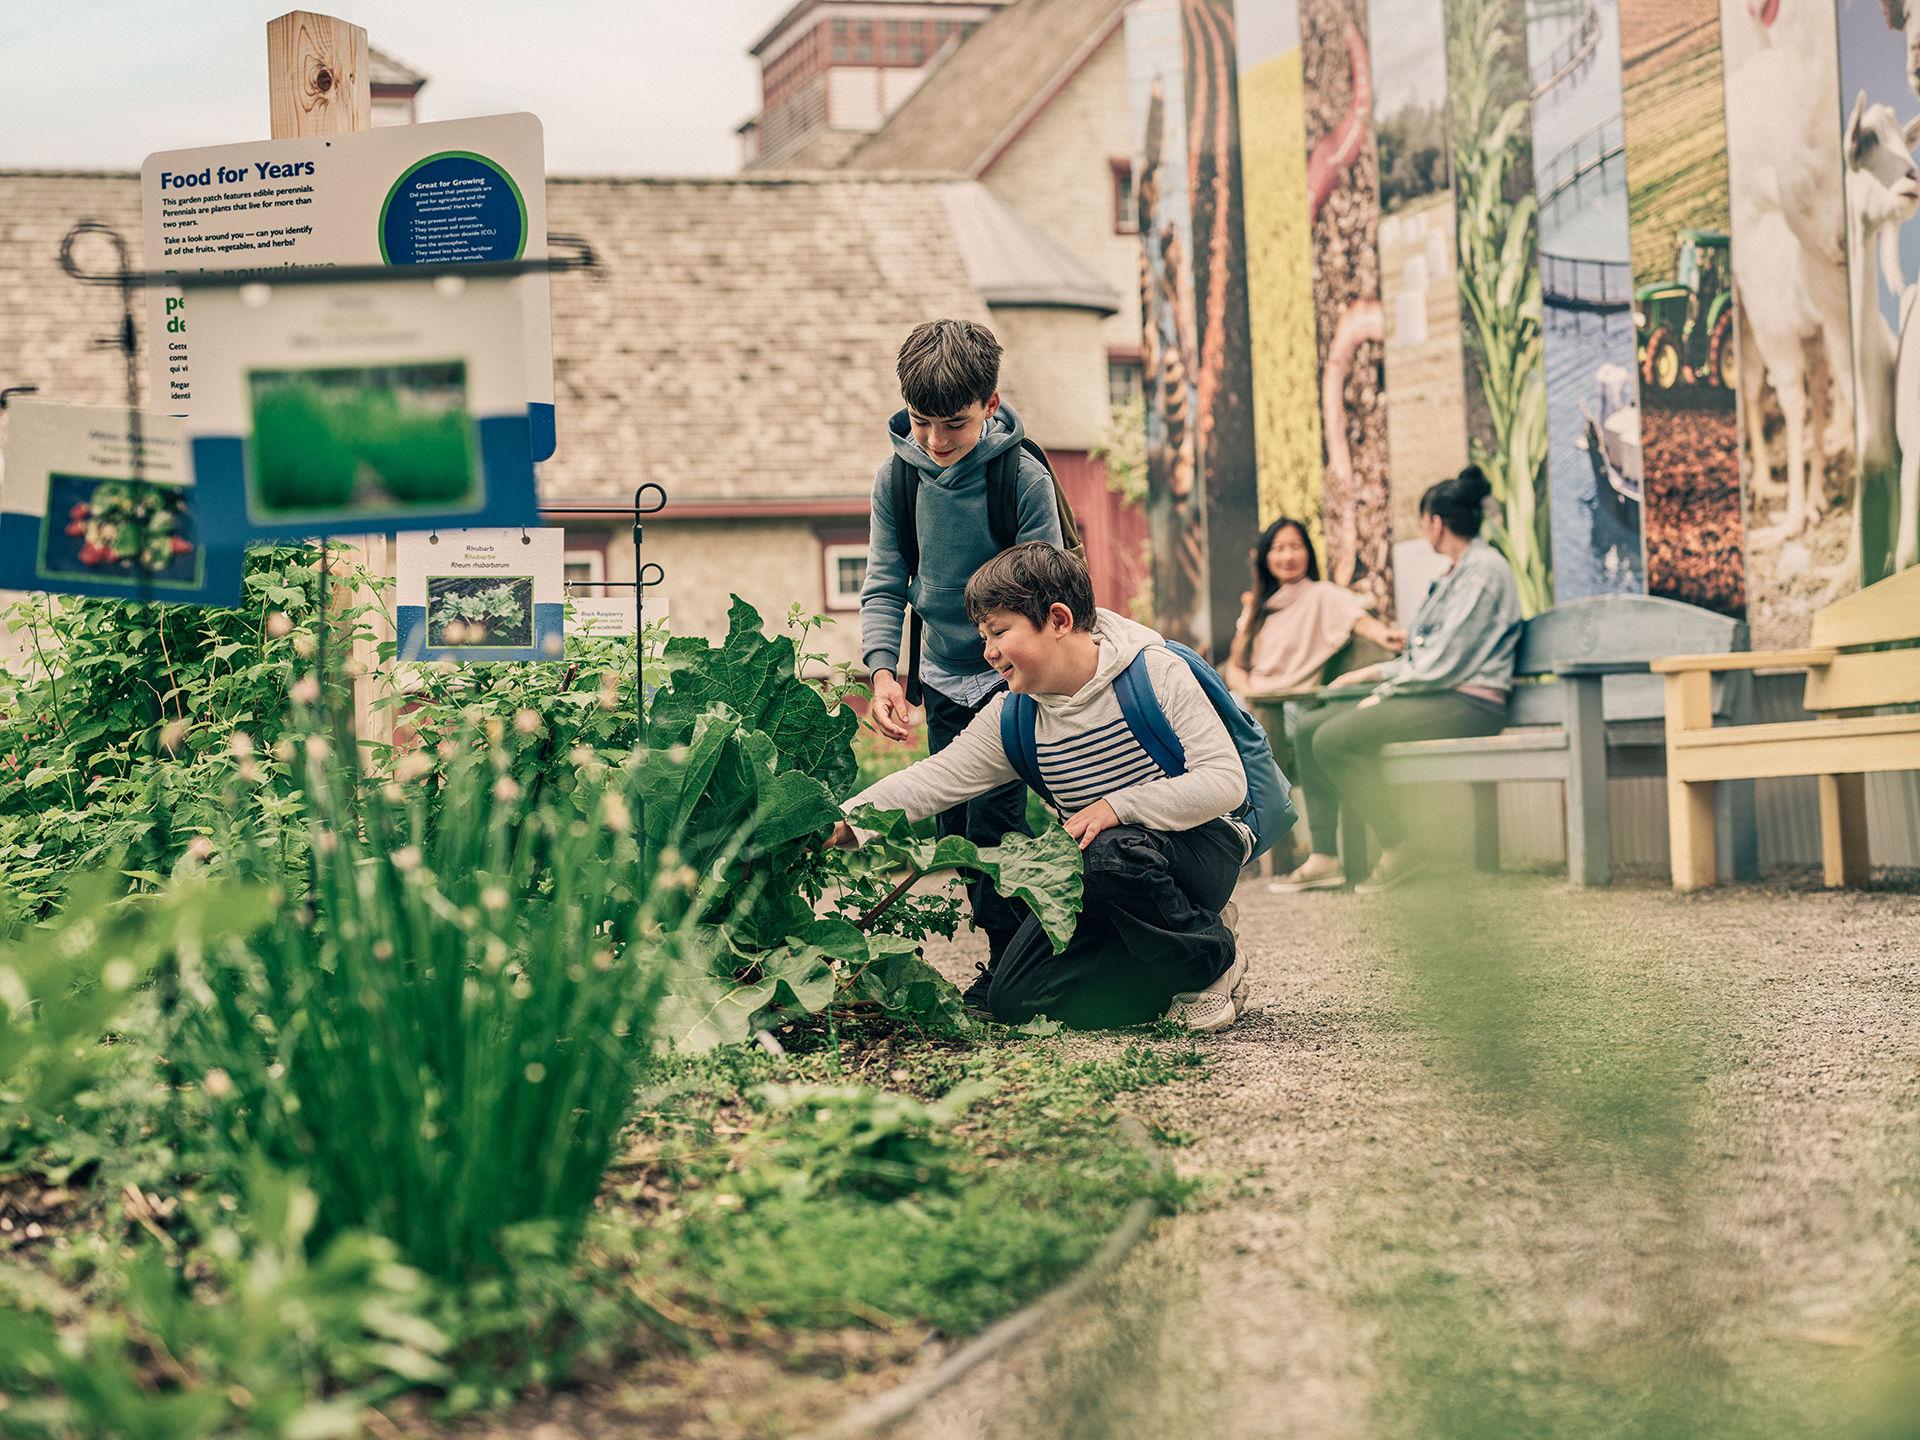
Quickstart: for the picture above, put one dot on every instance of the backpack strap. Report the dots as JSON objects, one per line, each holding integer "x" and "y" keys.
{"x": 906, "y": 538}
{"x": 1003, "y": 497}
{"x": 906, "y": 518}
{"x": 1140, "y": 708}
{"x": 1018, "y": 717}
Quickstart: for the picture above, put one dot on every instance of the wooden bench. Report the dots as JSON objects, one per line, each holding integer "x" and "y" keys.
{"x": 1853, "y": 669}
{"x": 1586, "y": 709}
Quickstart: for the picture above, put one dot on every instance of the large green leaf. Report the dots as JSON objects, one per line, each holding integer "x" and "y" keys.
{"x": 753, "y": 674}
{"x": 1044, "y": 871}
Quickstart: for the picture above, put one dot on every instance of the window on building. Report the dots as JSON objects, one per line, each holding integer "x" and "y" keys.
{"x": 916, "y": 27}
{"x": 1125, "y": 218}
{"x": 866, "y": 50}
{"x": 893, "y": 27}
{"x": 585, "y": 571}
{"x": 893, "y": 51}
{"x": 846, "y": 572}
{"x": 840, "y": 50}
{"x": 840, "y": 26}
{"x": 1123, "y": 380}
{"x": 943, "y": 28}
{"x": 866, "y": 27}
{"x": 917, "y": 53}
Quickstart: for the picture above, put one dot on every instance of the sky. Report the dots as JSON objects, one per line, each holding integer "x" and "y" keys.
{"x": 623, "y": 87}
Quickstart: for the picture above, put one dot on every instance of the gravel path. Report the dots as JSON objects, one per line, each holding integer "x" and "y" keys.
{"x": 1504, "y": 1158}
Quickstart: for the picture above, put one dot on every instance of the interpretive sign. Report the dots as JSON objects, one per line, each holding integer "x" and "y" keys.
{"x": 100, "y": 500}
{"x": 326, "y": 409}
{"x": 450, "y": 191}
{"x": 480, "y": 594}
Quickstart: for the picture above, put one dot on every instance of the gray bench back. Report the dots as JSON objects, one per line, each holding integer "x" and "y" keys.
{"x": 1605, "y": 631}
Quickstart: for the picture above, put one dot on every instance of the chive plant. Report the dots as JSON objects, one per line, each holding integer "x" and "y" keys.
{"x": 444, "y": 1032}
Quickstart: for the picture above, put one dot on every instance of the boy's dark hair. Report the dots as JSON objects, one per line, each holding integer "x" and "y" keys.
{"x": 946, "y": 365}
{"x": 1029, "y": 580}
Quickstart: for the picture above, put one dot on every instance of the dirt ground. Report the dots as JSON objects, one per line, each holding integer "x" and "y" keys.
{"x": 1504, "y": 1158}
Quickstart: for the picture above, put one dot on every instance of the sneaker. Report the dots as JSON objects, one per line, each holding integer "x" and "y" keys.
{"x": 1296, "y": 883}
{"x": 1384, "y": 879}
{"x": 974, "y": 997}
{"x": 1213, "y": 1009}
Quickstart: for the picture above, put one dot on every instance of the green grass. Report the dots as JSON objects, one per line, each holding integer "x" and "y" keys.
{"x": 1007, "y": 1197}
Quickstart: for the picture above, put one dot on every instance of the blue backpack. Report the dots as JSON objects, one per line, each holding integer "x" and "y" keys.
{"x": 1267, "y": 810}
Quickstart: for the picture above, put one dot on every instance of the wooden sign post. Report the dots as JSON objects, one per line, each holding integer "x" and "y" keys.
{"x": 319, "y": 82}
{"x": 319, "y": 79}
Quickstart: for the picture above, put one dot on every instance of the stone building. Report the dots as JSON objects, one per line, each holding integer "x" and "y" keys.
{"x": 735, "y": 341}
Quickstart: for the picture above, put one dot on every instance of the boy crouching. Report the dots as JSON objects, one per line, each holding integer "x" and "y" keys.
{"x": 1161, "y": 856}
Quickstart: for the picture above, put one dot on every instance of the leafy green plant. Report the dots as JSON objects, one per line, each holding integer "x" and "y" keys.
{"x": 1123, "y": 446}
{"x": 251, "y": 1346}
{"x": 1498, "y": 227}
{"x": 445, "y": 1032}
{"x": 847, "y": 1138}
{"x": 62, "y": 984}
{"x": 123, "y": 739}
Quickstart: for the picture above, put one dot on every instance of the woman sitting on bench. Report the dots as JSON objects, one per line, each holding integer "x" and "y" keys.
{"x": 1452, "y": 682}
{"x": 1293, "y": 622}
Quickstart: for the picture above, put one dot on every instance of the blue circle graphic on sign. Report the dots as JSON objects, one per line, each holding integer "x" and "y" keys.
{"x": 457, "y": 207}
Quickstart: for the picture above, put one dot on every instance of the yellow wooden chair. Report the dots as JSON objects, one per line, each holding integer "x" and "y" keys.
{"x": 1862, "y": 658}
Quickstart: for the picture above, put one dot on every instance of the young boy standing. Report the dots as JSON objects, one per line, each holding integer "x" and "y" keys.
{"x": 1161, "y": 855}
{"x": 954, "y": 424}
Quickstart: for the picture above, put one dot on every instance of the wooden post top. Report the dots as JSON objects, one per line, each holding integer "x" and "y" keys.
{"x": 319, "y": 79}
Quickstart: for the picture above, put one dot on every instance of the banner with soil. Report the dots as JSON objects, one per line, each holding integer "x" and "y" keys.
{"x": 1176, "y": 513}
{"x": 1594, "y": 470}
{"x": 1420, "y": 304}
{"x": 1273, "y": 169}
{"x": 1678, "y": 214}
{"x": 1343, "y": 208}
{"x": 1491, "y": 135}
{"x": 1879, "y": 75}
{"x": 1223, "y": 381}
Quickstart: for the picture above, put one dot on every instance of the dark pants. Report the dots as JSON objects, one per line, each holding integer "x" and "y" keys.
{"x": 1338, "y": 746}
{"x": 983, "y": 820}
{"x": 1149, "y": 928}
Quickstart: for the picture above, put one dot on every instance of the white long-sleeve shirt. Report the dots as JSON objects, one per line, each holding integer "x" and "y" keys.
{"x": 1086, "y": 750}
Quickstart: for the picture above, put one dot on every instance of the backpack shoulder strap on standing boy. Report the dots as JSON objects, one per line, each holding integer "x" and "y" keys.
{"x": 906, "y": 536}
{"x": 1003, "y": 500}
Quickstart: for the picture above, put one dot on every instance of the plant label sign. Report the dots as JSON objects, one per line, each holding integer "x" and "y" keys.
{"x": 327, "y": 409}
{"x": 480, "y": 594}
{"x": 611, "y": 619}
{"x": 100, "y": 500}
{"x": 453, "y": 190}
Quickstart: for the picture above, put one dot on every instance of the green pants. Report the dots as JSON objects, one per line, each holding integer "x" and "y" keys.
{"x": 1337, "y": 748}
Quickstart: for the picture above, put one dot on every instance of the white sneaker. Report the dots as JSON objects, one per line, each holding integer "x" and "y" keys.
{"x": 1215, "y": 1008}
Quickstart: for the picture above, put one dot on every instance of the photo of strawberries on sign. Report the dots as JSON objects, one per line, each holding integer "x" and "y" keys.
{"x": 119, "y": 530}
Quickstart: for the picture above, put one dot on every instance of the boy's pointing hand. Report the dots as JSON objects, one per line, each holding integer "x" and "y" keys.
{"x": 1083, "y": 825}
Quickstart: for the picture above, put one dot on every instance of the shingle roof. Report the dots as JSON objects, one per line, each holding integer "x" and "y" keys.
{"x": 383, "y": 69}
{"x": 738, "y": 340}
{"x": 980, "y": 95}
{"x": 48, "y": 323}
{"x": 1012, "y": 263}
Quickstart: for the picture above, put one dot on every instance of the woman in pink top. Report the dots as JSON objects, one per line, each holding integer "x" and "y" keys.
{"x": 1294, "y": 622}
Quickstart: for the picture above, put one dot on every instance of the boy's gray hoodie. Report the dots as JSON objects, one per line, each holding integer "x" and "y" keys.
{"x": 951, "y": 511}
{"x": 1086, "y": 749}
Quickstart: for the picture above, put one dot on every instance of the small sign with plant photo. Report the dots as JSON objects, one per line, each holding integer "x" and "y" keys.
{"x": 100, "y": 500}
{"x": 325, "y": 408}
{"x": 481, "y": 594}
